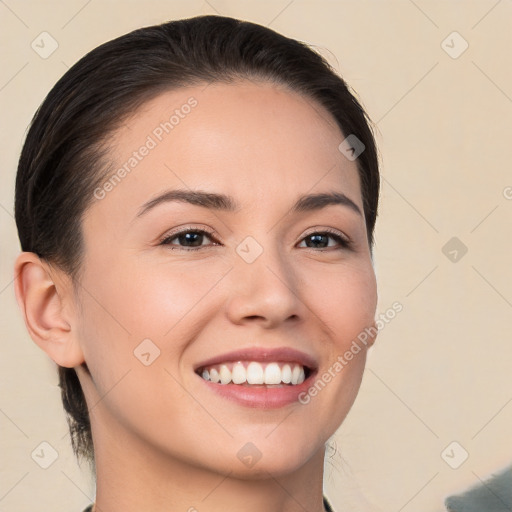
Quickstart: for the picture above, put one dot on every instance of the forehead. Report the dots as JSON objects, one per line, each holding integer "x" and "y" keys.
{"x": 258, "y": 142}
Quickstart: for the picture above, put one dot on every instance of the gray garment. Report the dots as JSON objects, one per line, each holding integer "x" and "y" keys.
{"x": 493, "y": 495}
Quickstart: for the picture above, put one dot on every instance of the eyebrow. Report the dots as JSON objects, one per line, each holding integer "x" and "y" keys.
{"x": 222, "y": 202}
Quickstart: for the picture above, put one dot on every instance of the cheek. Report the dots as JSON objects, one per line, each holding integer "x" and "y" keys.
{"x": 146, "y": 299}
{"x": 344, "y": 298}
{"x": 133, "y": 310}
{"x": 173, "y": 302}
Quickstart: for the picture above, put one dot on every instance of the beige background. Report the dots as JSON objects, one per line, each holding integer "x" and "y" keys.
{"x": 440, "y": 371}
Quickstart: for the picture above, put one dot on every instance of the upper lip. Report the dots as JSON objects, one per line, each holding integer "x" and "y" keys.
{"x": 260, "y": 354}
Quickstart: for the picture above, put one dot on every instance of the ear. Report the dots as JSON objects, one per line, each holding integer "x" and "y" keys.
{"x": 45, "y": 297}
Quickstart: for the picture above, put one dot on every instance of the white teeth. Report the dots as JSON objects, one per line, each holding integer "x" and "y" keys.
{"x": 225, "y": 374}
{"x": 295, "y": 374}
{"x": 272, "y": 374}
{"x": 238, "y": 375}
{"x": 286, "y": 374}
{"x": 214, "y": 375}
{"x": 254, "y": 373}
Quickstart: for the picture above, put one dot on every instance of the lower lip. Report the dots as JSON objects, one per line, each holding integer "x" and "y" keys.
{"x": 260, "y": 396}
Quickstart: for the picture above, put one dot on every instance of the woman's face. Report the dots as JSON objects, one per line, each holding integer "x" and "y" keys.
{"x": 266, "y": 283}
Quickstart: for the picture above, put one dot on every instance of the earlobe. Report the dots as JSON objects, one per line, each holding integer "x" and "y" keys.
{"x": 44, "y": 299}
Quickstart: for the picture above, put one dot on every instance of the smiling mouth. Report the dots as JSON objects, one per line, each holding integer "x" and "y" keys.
{"x": 257, "y": 374}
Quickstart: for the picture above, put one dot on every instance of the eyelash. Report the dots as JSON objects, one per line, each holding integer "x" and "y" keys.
{"x": 342, "y": 241}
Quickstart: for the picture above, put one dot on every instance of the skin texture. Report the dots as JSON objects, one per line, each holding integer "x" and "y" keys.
{"x": 163, "y": 440}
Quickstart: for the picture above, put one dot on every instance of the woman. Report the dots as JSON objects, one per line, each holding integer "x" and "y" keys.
{"x": 196, "y": 203}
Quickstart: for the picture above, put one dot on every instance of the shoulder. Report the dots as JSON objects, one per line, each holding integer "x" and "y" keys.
{"x": 493, "y": 495}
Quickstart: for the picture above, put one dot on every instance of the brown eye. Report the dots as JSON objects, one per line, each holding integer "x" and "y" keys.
{"x": 320, "y": 240}
{"x": 190, "y": 239}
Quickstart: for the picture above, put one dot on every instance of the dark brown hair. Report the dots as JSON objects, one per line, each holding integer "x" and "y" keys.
{"x": 65, "y": 154}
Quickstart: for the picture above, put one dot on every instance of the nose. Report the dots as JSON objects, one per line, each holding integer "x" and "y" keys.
{"x": 265, "y": 291}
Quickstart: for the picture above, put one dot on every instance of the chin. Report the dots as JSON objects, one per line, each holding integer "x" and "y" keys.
{"x": 277, "y": 459}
